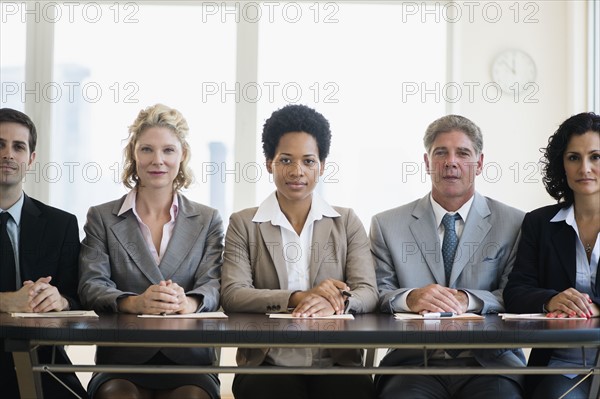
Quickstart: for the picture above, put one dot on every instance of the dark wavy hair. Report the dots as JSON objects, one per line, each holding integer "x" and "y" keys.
{"x": 296, "y": 118}
{"x": 555, "y": 178}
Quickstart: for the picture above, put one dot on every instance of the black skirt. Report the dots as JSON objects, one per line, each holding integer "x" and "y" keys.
{"x": 208, "y": 382}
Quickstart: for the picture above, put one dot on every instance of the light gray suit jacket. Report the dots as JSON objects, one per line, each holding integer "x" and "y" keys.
{"x": 115, "y": 262}
{"x": 255, "y": 277}
{"x": 407, "y": 251}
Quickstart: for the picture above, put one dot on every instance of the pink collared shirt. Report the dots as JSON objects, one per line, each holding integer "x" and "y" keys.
{"x": 168, "y": 227}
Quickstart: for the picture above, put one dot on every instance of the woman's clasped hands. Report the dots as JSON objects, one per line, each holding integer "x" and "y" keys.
{"x": 165, "y": 298}
{"x": 325, "y": 299}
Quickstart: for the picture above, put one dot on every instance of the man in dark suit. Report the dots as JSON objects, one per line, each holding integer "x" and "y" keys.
{"x": 450, "y": 251}
{"x": 39, "y": 248}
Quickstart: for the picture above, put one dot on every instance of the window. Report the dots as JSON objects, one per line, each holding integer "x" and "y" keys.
{"x": 115, "y": 59}
{"x": 353, "y": 64}
{"x": 12, "y": 58}
{"x": 112, "y": 59}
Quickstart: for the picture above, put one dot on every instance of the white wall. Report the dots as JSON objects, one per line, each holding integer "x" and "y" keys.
{"x": 514, "y": 131}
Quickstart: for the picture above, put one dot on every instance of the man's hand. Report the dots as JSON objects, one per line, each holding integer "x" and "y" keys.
{"x": 37, "y": 297}
{"x": 436, "y": 298}
{"x": 44, "y": 297}
{"x": 17, "y": 301}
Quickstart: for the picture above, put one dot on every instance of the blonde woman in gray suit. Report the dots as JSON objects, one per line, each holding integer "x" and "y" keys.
{"x": 295, "y": 251}
{"x": 153, "y": 251}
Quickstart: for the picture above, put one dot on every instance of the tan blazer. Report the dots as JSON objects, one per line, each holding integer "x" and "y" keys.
{"x": 115, "y": 262}
{"x": 255, "y": 278}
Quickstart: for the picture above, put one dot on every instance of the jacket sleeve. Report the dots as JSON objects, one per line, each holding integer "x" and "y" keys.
{"x": 208, "y": 274}
{"x": 238, "y": 291}
{"x": 359, "y": 268}
{"x": 96, "y": 288}
{"x": 68, "y": 264}
{"x": 523, "y": 292}
{"x": 387, "y": 280}
{"x": 493, "y": 299}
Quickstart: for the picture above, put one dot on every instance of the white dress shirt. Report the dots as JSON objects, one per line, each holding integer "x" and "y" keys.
{"x": 297, "y": 250}
{"x": 585, "y": 282}
{"x": 13, "y": 228}
{"x": 474, "y": 304}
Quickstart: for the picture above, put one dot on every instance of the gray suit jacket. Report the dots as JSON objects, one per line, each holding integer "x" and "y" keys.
{"x": 115, "y": 262}
{"x": 407, "y": 252}
{"x": 255, "y": 276}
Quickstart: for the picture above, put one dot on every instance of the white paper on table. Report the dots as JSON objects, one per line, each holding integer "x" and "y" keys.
{"x": 535, "y": 316}
{"x": 416, "y": 316}
{"x": 64, "y": 313}
{"x": 201, "y": 315}
{"x": 346, "y": 316}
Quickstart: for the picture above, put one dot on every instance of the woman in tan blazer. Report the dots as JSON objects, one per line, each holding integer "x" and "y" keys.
{"x": 297, "y": 252}
{"x": 153, "y": 251}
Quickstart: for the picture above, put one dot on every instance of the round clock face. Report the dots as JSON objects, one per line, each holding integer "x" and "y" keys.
{"x": 512, "y": 70}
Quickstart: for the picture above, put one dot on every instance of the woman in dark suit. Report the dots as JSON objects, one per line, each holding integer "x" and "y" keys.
{"x": 153, "y": 251}
{"x": 556, "y": 270}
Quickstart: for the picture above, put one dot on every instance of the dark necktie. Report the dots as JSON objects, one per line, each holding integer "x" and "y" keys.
{"x": 449, "y": 244}
{"x": 448, "y": 253}
{"x": 7, "y": 257}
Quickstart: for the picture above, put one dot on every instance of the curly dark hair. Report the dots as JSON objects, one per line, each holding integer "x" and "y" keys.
{"x": 555, "y": 178}
{"x": 296, "y": 118}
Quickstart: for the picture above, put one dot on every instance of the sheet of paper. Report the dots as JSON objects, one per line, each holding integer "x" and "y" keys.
{"x": 416, "y": 316}
{"x": 534, "y": 316}
{"x": 201, "y": 315}
{"x": 64, "y": 313}
{"x": 347, "y": 316}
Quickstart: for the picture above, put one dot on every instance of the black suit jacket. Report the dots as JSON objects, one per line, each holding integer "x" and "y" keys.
{"x": 48, "y": 246}
{"x": 545, "y": 266}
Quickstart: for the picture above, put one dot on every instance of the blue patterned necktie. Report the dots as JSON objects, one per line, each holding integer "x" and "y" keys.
{"x": 448, "y": 253}
{"x": 449, "y": 244}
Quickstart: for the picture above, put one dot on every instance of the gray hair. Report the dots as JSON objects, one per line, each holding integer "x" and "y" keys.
{"x": 449, "y": 123}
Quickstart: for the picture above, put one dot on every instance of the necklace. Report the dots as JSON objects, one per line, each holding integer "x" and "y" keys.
{"x": 588, "y": 248}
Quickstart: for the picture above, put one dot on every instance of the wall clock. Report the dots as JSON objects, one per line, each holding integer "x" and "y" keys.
{"x": 513, "y": 69}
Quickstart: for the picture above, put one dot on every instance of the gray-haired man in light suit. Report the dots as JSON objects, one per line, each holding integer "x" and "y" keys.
{"x": 450, "y": 251}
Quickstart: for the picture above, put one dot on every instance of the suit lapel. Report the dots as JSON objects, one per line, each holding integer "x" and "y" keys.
{"x": 320, "y": 247}
{"x": 424, "y": 230}
{"x": 32, "y": 232}
{"x": 128, "y": 234}
{"x": 271, "y": 236}
{"x": 598, "y": 278}
{"x": 185, "y": 235}
{"x": 566, "y": 253}
{"x": 474, "y": 233}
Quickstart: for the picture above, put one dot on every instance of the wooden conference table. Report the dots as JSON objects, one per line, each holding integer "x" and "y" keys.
{"x": 368, "y": 331}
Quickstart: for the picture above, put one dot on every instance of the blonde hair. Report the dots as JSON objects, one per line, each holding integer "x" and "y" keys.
{"x": 158, "y": 115}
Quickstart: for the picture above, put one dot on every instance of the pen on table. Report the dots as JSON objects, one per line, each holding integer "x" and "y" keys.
{"x": 437, "y": 314}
